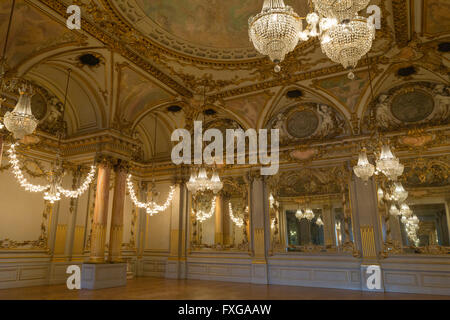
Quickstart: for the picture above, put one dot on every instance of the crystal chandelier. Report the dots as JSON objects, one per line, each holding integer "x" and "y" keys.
{"x": 21, "y": 121}
{"x": 238, "y": 221}
{"x": 339, "y": 9}
{"x": 364, "y": 169}
{"x": 299, "y": 214}
{"x": 345, "y": 37}
{"x": 53, "y": 190}
{"x": 388, "y": 164}
{"x": 202, "y": 215}
{"x": 319, "y": 222}
{"x": 151, "y": 207}
{"x": 348, "y": 41}
{"x": 201, "y": 182}
{"x": 275, "y": 30}
{"x": 309, "y": 214}
{"x": 393, "y": 210}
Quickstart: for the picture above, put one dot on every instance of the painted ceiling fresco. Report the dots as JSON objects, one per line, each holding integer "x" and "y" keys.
{"x": 212, "y": 23}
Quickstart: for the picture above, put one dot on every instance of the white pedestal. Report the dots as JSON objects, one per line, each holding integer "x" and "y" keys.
{"x": 103, "y": 275}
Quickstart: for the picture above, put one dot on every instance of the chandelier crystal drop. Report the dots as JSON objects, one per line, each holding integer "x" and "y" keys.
{"x": 348, "y": 41}
{"x": 364, "y": 169}
{"x": 339, "y": 9}
{"x": 21, "y": 121}
{"x": 275, "y": 30}
{"x": 151, "y": 207}
{"x": 202, "y": 215}
{"x": 388, "y": 164}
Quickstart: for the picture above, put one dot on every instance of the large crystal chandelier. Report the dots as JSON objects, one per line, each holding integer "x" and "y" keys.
{"x": 275, "y": 30}
{"x": 339, "y": 9}
{"x": 348, "y": 41}
{"x": 21, "y": 121}
{"x": 200, "y": 182}
{"x": 344, "y": 36}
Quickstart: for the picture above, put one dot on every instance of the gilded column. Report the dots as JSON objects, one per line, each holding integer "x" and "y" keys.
{"x": 218, "y": 237}
{"x": 328, "y": 225}
{"x": 116, "y": 231}
{"x": 226, "y": 223}
{"x": 100, "y": 219}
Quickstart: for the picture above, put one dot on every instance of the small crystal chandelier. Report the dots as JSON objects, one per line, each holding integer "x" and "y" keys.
{"x": 364, "y": 169}
{"x": 319, "y": 222}
{"x": 399, "y": 194}
{"x": 299, "y": 214}
{"x": 309, "y": 214}
{"x": 393, "y": 210}
{"x": 21, "y": 121}
{"x": 339, "y": 9}
{"x": 388, "y": 164}
{"x": 201, "y": 182}
{"x": 275, "y": 30}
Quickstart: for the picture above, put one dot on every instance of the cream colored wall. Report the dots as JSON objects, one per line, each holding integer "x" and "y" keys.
{"x": 20, "y": 210}
{"x": 158, "y": 226}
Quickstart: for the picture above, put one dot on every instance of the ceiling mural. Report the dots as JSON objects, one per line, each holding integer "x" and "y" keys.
{"x": 213, "y": 29}
{"x": 437, "y": 13}
{"x": 137, "y": 93}
{"x": 31, "y": 32}
{"x": 347, "y": 91}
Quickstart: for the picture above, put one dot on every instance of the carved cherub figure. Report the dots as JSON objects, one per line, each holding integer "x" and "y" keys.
{"x": 382, "y": 112}
{"x": 442, "y": 98}
{"x": 327, "y": 121}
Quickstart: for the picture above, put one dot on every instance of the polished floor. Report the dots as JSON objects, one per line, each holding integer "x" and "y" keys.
{"x": 166, "y": 289}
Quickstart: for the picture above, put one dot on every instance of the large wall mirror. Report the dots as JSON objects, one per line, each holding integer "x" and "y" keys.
{"x": 427, "y": 183}
{"x": 221, "y": 221}
{"x": 310, "y": 211}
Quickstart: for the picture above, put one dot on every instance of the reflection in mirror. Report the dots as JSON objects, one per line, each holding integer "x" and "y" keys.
{"x": 221, "y": 221}
{"x": 427, "y": 186}
{"x": 311, "y": 209}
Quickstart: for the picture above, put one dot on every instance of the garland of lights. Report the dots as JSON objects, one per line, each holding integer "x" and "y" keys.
{"x": 52, "y": 191}
{"x": 151, "y": 206}
{"x": 84, "y": 186}
{"x": 203, "y": 215}
{"x": 239, "y": 222}
{"x": 14, "y": 161}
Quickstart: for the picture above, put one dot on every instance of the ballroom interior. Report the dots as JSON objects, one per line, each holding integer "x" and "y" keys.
{"x": 358, "y": 92}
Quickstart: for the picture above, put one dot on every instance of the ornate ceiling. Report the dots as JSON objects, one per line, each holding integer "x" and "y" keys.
{"x": 150, "y": 55}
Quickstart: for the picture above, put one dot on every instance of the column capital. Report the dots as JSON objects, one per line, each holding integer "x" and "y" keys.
{"x": 122, "y": 165}
{"x": 105, "y": 161}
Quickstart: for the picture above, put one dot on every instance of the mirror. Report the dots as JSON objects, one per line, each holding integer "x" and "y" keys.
{"x": 310, "y": 211}
{"x": 427, "y": 182}
{"x": 221, "y": 221}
